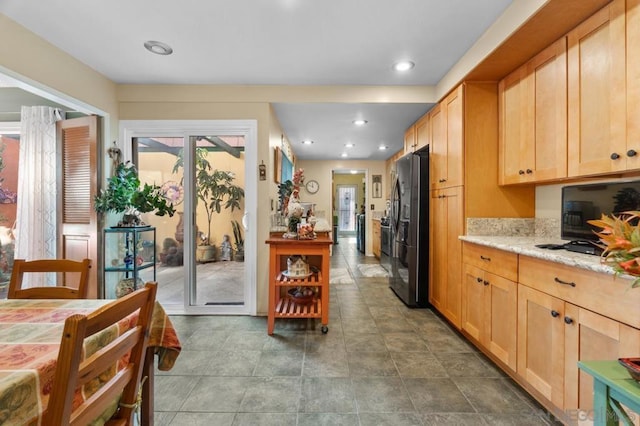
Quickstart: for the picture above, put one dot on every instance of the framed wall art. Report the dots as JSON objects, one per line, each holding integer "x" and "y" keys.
{"x": 376, "y": 188}
{"x": 277, "y": 164}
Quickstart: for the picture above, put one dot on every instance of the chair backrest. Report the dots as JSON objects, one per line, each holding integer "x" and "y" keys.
{"x": 73, "y": 372}
{"x": 69, "y": 270}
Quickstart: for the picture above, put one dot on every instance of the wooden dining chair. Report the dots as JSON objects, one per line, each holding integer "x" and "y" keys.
{"x": 73, "y": 282}
{"x": 73, "y": 372}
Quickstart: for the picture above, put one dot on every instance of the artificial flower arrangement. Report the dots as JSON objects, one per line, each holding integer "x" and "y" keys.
{"x": 620, "y": 239}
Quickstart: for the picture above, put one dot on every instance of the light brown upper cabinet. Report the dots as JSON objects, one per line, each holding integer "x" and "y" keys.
{"x": 597, "y": 119}
{"x": 533, "y": 119}
{"x": 447, "y": 135}
{"x": 417, "y": 136}
{"x": 422, "y": 131}
{"x": 410, "y": 139}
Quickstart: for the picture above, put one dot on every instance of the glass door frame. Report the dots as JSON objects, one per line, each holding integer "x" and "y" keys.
{"x": 130, "y": 129}
{"x": 352, "y": 213}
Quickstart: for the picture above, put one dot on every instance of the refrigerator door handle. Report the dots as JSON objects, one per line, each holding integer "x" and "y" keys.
{"x": 395, "y": 206}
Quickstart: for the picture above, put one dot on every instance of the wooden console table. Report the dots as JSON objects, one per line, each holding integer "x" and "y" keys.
{"x": 612, "y": 386}
{"x": 281, "y": 305}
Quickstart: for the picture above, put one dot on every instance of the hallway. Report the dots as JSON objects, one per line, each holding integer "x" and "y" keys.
{"x": 380, "y": 364}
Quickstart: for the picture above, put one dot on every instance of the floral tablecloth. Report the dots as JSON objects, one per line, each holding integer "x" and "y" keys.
{"x": 30, "y": 332}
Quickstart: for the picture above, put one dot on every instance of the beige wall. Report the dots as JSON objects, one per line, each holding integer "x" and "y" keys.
{"x": 321, "y": 171}
{"x": 46, "y": 69}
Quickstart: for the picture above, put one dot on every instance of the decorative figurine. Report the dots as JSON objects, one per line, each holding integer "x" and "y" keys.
{"x": 225, "y": 248}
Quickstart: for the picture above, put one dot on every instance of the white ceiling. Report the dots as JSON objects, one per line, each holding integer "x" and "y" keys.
{"x": 279, "y": 42}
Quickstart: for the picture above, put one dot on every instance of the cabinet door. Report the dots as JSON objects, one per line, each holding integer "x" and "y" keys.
{"x": 454, "y": 104}
{"x": 446, "y": 226}
{"x": 375, "y": 238}
{"x": 533, "y": 119}
{"x": 410, "y": 140}
{"x": 590, "y": 336}
{"x": 596, "y": 93}
{"x": 540, "y": 358}
{"x": 548, "y": 110}
{"x": 473, "y": 302}
{"x": 516, "y": 129}
{"x": 438, "y": 221}
{"x": 438, "y": 138}
{"x": 422, "y": 132}
{"x": 633, "y": 81}
{"x": 501, "y": 307}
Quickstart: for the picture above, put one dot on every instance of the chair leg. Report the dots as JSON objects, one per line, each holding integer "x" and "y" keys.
{"x": 146, "y": 410}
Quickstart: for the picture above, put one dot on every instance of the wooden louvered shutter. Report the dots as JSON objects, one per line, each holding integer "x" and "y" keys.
{"x": 78, "y": 183}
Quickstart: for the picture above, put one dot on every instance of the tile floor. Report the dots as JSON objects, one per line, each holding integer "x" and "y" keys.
{"x": 380, "y": 364}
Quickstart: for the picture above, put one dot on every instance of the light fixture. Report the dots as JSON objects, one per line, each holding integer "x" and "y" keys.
{"x": 158, "y": 47}
{"x": 353, "y": 172}
{"x": 403, "y": 66}
{"x": 307, "y": 142}
{"x": 383, "y": 147}
{"x": 360, "y": 122}
{"x": 344, "y": 154}
{"x": 349, "y": 145}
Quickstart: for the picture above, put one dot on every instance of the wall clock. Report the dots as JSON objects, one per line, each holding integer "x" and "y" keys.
{"x": 312, "y": 186}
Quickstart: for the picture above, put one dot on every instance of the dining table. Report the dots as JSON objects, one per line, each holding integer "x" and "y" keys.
{"x": 30, "y": 334}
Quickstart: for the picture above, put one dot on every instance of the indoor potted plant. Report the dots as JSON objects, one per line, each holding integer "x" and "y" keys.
{"x": 216, "y": 190}
{"x": 237, "y": 234}
{"x": 620, "y": 238}
{"x": 123, "y": 194}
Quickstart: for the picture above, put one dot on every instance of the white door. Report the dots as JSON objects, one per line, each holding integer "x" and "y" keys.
{"x": 199, "y": 268}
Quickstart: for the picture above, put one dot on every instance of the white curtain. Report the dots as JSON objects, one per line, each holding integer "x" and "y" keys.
{"x": 37, "y": 188}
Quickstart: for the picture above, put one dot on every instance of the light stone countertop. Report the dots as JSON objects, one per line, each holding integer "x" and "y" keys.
{"x": 527, "y": 246}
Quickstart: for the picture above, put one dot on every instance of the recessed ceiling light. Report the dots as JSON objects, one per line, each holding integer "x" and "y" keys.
{"x": 360, "y": 122}
{"x": 403, "y": 66}
{"x": 353, "y": 172}
{"x": 349, "y": 145}
{"x": 158, "y": 47}
{"x": 307, "y": 142}
{"x": 383, "y": 147}
{"x": 344, "y": 154}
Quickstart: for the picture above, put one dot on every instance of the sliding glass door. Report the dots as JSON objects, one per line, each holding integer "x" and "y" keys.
{"x": 205, "y": 253}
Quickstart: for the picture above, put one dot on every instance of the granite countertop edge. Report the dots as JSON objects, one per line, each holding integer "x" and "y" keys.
{"x": 527, "y": 246}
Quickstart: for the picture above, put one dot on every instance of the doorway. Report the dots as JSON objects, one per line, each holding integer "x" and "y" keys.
{"x": 206, "y": 252}
{"x": 347, "y": 208}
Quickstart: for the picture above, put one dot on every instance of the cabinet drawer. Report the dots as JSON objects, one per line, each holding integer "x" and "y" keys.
{"x": 496, "y": 261}
{"x": 605, "y": 294}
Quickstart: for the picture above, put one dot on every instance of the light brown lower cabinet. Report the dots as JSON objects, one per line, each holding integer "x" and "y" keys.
{"x": 489, "y": 310}
{"x": 375, "y": 238}
{"x": 553, "y": 336}
{"x": 446, "y": 224}
{"x": 538, "y": 318}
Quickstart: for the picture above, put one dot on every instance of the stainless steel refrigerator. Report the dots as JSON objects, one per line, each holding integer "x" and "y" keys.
{"x": 409, "y": 224}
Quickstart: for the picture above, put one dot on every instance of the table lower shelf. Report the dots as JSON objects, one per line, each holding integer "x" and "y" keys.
{"x": 314, "y": 279}
{"x": 288, "y": 308}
